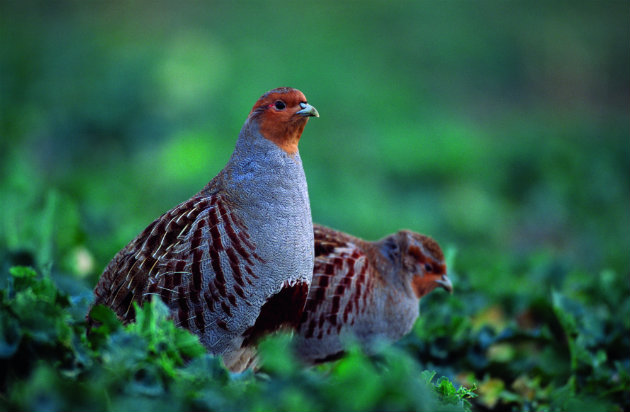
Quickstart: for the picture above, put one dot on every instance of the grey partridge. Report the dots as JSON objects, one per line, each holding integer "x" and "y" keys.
{"x": 367, "y": 290}
{"x": 228, "y": 258}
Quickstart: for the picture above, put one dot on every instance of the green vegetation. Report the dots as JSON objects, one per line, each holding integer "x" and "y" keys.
{"x": 500, "y": 129}
{"x": 51, "y": 365}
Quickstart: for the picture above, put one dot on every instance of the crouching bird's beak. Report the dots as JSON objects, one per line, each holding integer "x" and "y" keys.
{"x": 445, "y": 282}
{"x": 307, "y": 110}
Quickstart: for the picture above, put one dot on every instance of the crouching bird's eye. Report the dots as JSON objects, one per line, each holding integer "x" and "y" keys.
{"x": 280, "y": 105}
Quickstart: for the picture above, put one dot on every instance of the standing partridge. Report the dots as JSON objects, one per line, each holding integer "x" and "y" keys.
{"x": 369, "y": 290}
{"x": 228, "y": 258}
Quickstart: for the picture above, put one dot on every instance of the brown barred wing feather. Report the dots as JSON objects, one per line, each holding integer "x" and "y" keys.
{"x": 197, "y": 258}
{"x": 337, "y": 294}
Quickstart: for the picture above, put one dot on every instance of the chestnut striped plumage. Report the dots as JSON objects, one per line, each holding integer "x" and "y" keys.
{"x": 225, "y": 259}
{"x": 368, "y": 291}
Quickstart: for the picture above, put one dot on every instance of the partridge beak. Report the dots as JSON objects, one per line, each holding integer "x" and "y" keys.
{"x": 307, "y": 110}
{"x": 445, "y": 282}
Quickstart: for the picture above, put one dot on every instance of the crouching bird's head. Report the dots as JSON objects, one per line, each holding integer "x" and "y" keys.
{"x": 419, "y": 261}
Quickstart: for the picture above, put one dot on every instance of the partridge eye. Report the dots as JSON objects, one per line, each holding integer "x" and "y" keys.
{"x": 279, "y": 105}
{"x": 428, "y": 267}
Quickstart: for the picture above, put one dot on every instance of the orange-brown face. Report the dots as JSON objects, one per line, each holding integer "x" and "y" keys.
{"x": 281, "y": 115}
{"x": 424, "y": 259}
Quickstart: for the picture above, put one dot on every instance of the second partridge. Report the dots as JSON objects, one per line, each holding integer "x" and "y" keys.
{"x": 366, "y": 290}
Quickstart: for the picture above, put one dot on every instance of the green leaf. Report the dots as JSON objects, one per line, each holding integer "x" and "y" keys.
{"x": 165, "y": 341}
{"x": 105, "y": 323}
{"x": 10, "y": 335}
{"x": 23, "y": 272}
{"x": 276, "y": 355}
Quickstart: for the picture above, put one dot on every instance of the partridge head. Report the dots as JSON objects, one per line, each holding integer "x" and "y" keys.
{"x": 366, "y": 290}
{"x": 224, "y": 260}
{"x": 281, "y": 118}
{"x": 418, "y": 261}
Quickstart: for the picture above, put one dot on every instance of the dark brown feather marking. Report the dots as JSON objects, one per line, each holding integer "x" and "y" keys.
{"x": 125, "y": 304}
{"x": 151, "y": 242}
{"x": 165, "y": 294}
{"x": 320, "y": 294}
{"x": 235, "y": 239}
{"x": 323, "y": 248}
{"x": 222, "y": 325}
{"x": 241, "y": 251}
{"x": 347, "y": 311}
{"x": 239, "y": 291}
{"x": 220, "y": 287}
{"x": 212, "y": 216}
{"x": 243, "y": 236}
{"x": 180, "y": 265}
{"x": 169, "y": 281}
{"x": 226, "y": 308}
{"x": 350, "y": 269}
{"x": 322, "y": 319}
{"x": 182, "y": 301}
{"x": 195, "y": 247}
{"x": 197, "y": 276}
{"x": 231, "y": 299}
{"x": 183, "y": 319}
{"x": 153, "y": 288}
{"x": 284, "y": 309}
{"x": 199, "y": 319}
{"x": 309, "y": 307}
{"x": 216, "y": 267}
{"x": 168, "y": 238}
{"x": 329, "y": 269}
{"x": 362, "y": 277}
{"x": 209, "y": 301}
{"x": 335, "y": 305}
{"x": 215, "y": 235}
{"x": 250, "y": 273}
{"x": 235, "y": 266}
{"x": 311, "y": 329}
{"x": 357, "y": 296}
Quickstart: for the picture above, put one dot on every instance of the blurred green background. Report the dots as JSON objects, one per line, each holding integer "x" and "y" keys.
{"x": 501, "y": 129}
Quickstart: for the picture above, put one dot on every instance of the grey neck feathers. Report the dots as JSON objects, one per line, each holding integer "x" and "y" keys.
{"x": 260, "y": 168}
{"x": 269, "y": 190}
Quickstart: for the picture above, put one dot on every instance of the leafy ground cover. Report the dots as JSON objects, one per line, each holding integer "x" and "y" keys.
{"x": 50, "y": 364}
{"x": 558, "y": 354}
